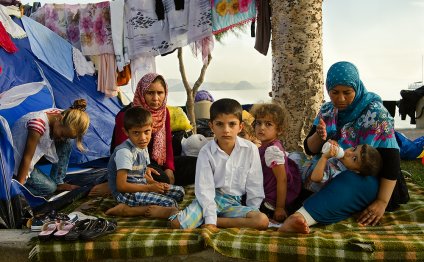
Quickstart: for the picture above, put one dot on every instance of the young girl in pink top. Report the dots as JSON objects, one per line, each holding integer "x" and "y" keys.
{"x": 282, "y": 181}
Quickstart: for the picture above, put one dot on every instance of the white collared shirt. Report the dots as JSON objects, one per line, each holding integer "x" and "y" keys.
{"x": 236, "y": 174}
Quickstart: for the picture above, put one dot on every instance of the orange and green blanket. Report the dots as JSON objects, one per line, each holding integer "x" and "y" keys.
{"x": 400, "y": 236}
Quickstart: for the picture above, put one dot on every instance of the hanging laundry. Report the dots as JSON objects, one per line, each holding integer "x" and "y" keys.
{"x": 95, "y": 29}
{"x": 124, "y": 76}
{"x": 11, "y": 27}
{"x": 179, "y": 4}
{"x": 147, "y": 35}
{"x": 227, "y": 14}
{"x": 82, "y": 66}
{"x": 63, "y": 19}
{"x": 30, "y": 9}
{"x": 106, "y": 78}
{"x": 160, "y": 10}
{"x": 117, "y": 27}
{"x": 139, "y": 67}
{"x": 263, "y": 28}
{"x": 203, "y": 46}
{"x": 5, "y": 40}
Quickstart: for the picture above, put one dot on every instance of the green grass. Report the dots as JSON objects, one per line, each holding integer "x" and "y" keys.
{"x": 415, "y": 168}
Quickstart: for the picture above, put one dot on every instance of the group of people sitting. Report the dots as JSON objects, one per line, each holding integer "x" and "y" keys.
{"x": 238, "y": 183}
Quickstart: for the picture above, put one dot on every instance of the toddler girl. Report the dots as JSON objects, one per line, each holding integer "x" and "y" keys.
{"x": 282, "y": 181}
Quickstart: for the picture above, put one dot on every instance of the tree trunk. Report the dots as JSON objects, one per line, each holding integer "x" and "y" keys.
{"x": 297, "y": 71}
{"x": 191, "y": 91}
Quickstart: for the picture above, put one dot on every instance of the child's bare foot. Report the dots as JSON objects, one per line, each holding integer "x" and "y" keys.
{"x": 100, "y": 190}
{"x": 123, "y": 210}
{"x": 155, "y": 211}
{"x": 65, "y": 187}
{"x": 295, "y": 223}
{"x": 116, "y": 210}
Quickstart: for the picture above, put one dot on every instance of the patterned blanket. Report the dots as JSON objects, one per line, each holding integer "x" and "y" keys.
{"x": 398, "y": 237}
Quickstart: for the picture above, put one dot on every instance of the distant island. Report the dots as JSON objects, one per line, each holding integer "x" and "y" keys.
{"x": 175, "y": 85}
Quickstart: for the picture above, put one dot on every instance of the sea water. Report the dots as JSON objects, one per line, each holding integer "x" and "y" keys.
{"x": 251, "y": 96}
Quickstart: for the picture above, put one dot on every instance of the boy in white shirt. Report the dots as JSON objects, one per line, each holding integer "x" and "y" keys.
{"x": 227, "y": 168}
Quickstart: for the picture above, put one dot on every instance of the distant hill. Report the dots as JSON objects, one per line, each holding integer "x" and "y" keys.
{"x": 177, "y": 85}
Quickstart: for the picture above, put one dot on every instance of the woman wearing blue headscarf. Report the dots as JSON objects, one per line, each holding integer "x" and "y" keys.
{"x": 353, "y": 117}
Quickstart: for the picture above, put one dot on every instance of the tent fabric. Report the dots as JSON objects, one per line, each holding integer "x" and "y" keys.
{"x": 12, "y": 202}
{"x": 102, "y": 110}
{"x": 50, "y": 47}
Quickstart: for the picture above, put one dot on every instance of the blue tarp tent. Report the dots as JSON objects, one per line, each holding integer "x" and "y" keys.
{"x": 23, "y": 67}
{"x": 21, "y": 70}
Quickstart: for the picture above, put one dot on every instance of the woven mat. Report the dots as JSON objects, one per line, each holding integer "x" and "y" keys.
{"x": 400, "y": 236}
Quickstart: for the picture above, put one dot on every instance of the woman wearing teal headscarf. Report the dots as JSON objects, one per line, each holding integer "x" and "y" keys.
{"x": 353, "y": 117}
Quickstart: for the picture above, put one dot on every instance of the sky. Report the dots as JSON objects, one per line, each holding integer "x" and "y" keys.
{"x": 383, "y": 38}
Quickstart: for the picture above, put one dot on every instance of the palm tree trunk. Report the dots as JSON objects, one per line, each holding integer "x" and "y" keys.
{"x": 297, "y": 71}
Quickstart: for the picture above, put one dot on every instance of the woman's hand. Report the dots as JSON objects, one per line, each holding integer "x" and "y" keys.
{"x": 321, "y": 130}
{"x": 373, "y": 213}
{"x": 280, "y": 214}
{"x": 170, "y": 175}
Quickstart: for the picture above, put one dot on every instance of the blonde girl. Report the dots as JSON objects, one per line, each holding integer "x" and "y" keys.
{"x": 47, "y": 133}
{"x": 282, "y": 182}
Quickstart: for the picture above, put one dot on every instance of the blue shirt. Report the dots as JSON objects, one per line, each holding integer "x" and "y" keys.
{"x": 131, "y": 158}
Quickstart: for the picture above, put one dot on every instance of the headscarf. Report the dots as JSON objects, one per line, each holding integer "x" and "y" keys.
{"x": 346, "y": 73}
{"x": 202, "y": 95}
{"x": 158, "y": 153}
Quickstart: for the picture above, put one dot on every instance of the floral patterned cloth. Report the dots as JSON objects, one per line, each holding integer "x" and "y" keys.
{"x": 229, "y": 13}
{"x": 95, "y": 29}
{"x": 364, "y": 121}
{"x": 146, "y": 35}
{"x": 63, "y": 19}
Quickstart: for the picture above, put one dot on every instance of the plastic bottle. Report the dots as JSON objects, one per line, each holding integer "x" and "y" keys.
{"x": 326, "y": 147}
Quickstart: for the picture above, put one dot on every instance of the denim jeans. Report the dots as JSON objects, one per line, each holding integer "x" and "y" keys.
{"x": 39, "y": 184}
{"x": 42, "y": 185}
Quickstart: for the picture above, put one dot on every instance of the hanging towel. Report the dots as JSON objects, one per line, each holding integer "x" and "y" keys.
{"x": 50, "y": 47}
{"x": 228, "y": 14}
{"x": 106, "y": 80}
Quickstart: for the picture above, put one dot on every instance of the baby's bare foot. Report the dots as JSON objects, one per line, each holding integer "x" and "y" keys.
{"x": 295, "y": 223}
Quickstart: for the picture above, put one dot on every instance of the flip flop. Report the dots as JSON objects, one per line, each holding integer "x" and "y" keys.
{"x": 79, "y": 227}
{"x": 63, "y": 229}
{"x": 47, "y": 231}
{"x": 100, "y": 227}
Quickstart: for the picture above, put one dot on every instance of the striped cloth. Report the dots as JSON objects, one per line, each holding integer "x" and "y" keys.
{"x": 399, "y": 237}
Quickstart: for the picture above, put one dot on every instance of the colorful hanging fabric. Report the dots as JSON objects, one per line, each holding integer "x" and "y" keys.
{"x": 146, "y": 35}
{"x": 227, "y": 14}
{"x": 63, "y": 19}
{"x": 5, "y": 40}
{"x": 95, "y": 29}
